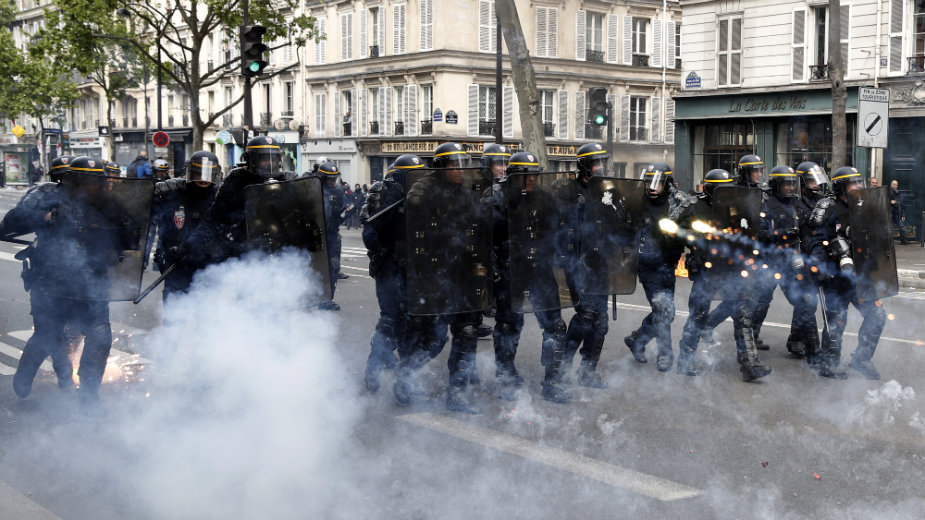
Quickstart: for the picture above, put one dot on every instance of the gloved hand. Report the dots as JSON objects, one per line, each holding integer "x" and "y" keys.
{"x": 178, "y": 253}
{"x": 169, "y": 185}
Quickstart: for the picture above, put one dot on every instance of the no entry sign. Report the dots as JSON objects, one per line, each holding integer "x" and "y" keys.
{"x": 160, "y": 139}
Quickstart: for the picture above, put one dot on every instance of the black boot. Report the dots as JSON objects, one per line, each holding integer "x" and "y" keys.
{"x": 747, "y": 353}
{"x": 665, "y": 358}
{"x": 860, "y": 362}
{"x": 458, "y": 398}
{"x": 827, "y": 362}
{"x": 29, "y": 364}
{"x": 587, "y": 375}
{"x": 796, "y": 347}
{"x": 636, "y": 346}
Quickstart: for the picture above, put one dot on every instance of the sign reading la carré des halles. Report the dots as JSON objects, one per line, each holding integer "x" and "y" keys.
{"x": 768, "y": 103}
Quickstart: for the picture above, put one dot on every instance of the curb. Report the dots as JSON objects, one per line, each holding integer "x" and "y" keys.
{"x": 910, "y": 279}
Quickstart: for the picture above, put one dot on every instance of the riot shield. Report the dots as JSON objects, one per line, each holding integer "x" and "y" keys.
{"x": 289, "y": 214}
{"x": 733, "y": 268}
{"x": 536, "y": 232}
{"x": 872, "y": 247}
{"x": 612, "y": 213}
{"x": 107, "y": 231}
{"x": 449, "y": 241}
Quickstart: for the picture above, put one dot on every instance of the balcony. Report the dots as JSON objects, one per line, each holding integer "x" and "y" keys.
{"x": 373, "y": 51}
{"x": 227, "y": 120}
{"x": 640, "y": 60}
{"x": 427, "y": 127}
{"x": 399, "y": 128}
{"x": 135, "y": 122}
{"x": 124, "y": 122}
{"x": 185, "y": 119}
{"x": 818, "y": 72}
{"x": 549, "y": 129}
{"x": 374, "y": 128}
{"x": 593, "y": 131}
{"x": 594, "y": 56}
{"x": 348, "y": 129}
{"x": 210, "y": 65}
{"x": 677, "y": 63}
{"x": 639, "y": 134}
{"x": 170, "y": 121}
{"x": 265, "y": 118}
{"x": 916, "y": 64}
{"x": 487, "y": 127}
{"x": 287, "y": 114}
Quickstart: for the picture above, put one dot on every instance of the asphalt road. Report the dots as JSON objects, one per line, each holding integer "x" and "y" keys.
{"x": 245, "y": 404}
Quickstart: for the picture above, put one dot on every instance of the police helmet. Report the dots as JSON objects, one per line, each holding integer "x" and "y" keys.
{"x": 656, "y": 176}
{"x": 264, "y": 158}
{"x": 844, "y": 179}
{"x": 203, "y": 166}
{"x": 714, "y": 178}
{"x": 85, "y": 165}
{"x": 59, "y": 167}
{"x": 523, "y": 162}
{"x": 813, "y": 177}
{"x": 495, "y": 154}
{"x": 784, "y": 181}
{"x": 750, "y": 170}
{"x": 593, "y": 159}
{"x": 398, "y": 169}
{"x": 112, "y": 169}
{"x": 161, "y": 170}
{"x": 328, "y": 170}
{"x": 318, "y": 162}
{"x": 451, "y": 155}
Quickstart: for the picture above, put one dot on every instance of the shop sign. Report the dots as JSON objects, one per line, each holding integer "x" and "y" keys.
{"x": 18, "y": 131}
{"x": 768, "y": 104}
{"x": 403, "y": 147}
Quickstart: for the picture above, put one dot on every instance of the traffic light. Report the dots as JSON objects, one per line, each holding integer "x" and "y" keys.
{"x": 252, "y": 49}
{"x": 597, "y": 107}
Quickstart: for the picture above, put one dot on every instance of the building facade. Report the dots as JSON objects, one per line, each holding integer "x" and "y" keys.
{"x": 755, "y": 80}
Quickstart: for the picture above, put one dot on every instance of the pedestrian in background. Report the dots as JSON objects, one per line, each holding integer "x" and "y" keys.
{"x": 897, "y": 211}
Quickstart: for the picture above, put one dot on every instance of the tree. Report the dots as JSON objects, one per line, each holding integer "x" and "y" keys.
{"x": 836, "y": 72}
{"x": 531, "y": 119}
{"x": 174, "y": 35}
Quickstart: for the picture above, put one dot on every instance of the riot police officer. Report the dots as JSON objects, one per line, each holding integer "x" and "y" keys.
{"x": 161, "y": 170}
{"x": 707, "y": 256}
{"x": 32, "y": 214}
{"x": 588, "y": 327}
{"x": 180, "y": 204}
{"x": 750, "y": 172}
{"x": 334, "y": 207}
{"x": 384, "y": 237}
{"x": 831, "y": 247}
{"x": 659, "y": 253}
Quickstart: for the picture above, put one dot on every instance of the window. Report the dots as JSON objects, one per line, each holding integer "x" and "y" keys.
{"x": 427, "y": 25}
{"x": 320, "y": 114}
{"x": 640, "y": 28}
{"x": 917, "y": 63}
{"x": 677, "y": 46}
{"x": 729, "y": 57}
{"x": 486, "y": 103}
{"x": 289, "y": 88}
{"x": 378, "y": 34}
{"x": 547, "y": 26}
{"x": 820, "y": 40}
{"x": 374, "y": 110}
{"x": 399, "y": 110}
{"x": 488, "y": 26}
{"x": 594, "y": 37}
{"x": 547, "y": 101}
{"x": 398, "y": 28}
{"x": 427, "y": 109}
{"x": 346, "y": 36}
{"x": 346, "y": 108}
{"x": 638, "y": 118}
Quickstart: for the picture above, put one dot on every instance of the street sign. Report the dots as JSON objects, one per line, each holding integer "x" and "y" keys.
{"x": 160, "y": 139}
{"x": 451, "y": 117}
{"x": 873, "y": 117}
{"x": 438, "y": 116}
{"x": 18, "y": 131}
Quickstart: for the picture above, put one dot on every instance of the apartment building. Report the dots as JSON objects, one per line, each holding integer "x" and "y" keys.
{"x": 755, "y": 80}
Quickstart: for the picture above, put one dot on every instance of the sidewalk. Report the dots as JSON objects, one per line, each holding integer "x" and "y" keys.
{"x": 910, "y": 265}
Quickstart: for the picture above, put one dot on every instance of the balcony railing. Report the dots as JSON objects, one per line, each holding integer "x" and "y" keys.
{"x": 348, "y": 129}
{"x": 640, "y": 60}
{"x": 373, "y": 51}
{"x": 549, "y": 129}
{"x": 374, "y": 128}
{"x": 169, "y": 120}
{"x": 818, "y": 72}
{"x": 427, "y": 126}
{"x": 399, "y": 128}
{"x": 594, "y": 56}
{"x": 124, "y": 122}
{"x": 487, "y": 127}
{"x": 210, "y": 64}
{"x": 134, "y": 122}
{"x": 185, "y": 119}
{"x": 677, "y": 63}
{"x": 265, "y": 118}
{"x": 916, "y": 64}
{"x": 639, "y": 134}
{"x": 593, "y": 131}
{"x": 227, "y": 120}
{"x": 287, "y": 114}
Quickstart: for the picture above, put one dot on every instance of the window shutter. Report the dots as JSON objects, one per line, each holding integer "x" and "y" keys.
{"x": 411, "y": 109}
{"x": 612, "y": 101}
{"x": 552, "y": 38}
{"x": 338, "y": 115}
{"x": 562, "y": 132}
{"x": 488, "y": 26}
{"x": 722, "y": 73}
{"x": 613, "y": 23}
{"x": 320, "y": 49}
{"x": 896, "y": 35}
{"x": 627, "y": 40}
{"x": 735, "y": 66}
{"x": 624, "y": 119}
{"x": 845, "y": 38}
{"x": 346, "y": 36}
{"x": 382, "y": 110}
{"x": 798, "y": 41}
{"x": 362, "y": 118}
{"x": 672, "y": 50}
{"x": 472, "y": 121}
{"x": 387, "y": 106}
{"x": 427, "y": 25}
{"x": 669, "y": 121}
{"x": 398, "y": 29}
{"x": 542, "y": 28}
{"x": 364, "y": 21}
{"x": 581, "y": 32}
{"x": 508, "y": 112}
{"x": 655, "y": 135}
{"x": 380, "y": 37}
{"x": 580, "y": 115}
{"x": 657, "y": 47}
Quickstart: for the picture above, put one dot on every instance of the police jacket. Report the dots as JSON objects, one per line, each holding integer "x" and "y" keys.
{"x": 781, "y": 228}
{"x": 384, "y": 237}
{"x": 178, "y": 210}
{"x": 828, "y": 221}
{"x": 225, "y": 221}
{"x": 656, "y": 248}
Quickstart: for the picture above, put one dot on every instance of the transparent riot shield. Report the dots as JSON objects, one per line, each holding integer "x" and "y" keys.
{"x": 872, "y": 247}
{"x": 733, "y": 265}
{"x": 449, "y": 241}
{"x": 612, "y": 212}
{"x": 104, "y": 236}
{"x": 538, "y": 242}
{"x": 289, "y": 214}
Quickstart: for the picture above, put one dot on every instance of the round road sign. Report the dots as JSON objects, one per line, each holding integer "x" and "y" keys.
{"x": 160, "y": 139}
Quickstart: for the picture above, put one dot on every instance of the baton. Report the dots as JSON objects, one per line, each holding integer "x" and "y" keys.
{"x": 158, "y": 281}
{"x": 17, "y": 241}
{"x": 385, "y": 209}
{"x": 825, "y": 314}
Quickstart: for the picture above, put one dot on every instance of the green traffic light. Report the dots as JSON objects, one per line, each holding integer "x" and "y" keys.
{"x": 254, "y": 67}
{"x": 599, "y": 119}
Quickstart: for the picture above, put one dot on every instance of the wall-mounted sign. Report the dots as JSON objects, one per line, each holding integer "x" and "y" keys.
{"x": 224, "y": 137}
{"x": 692, "y": 80}
{"x": 873, "y": 116}
{"x": 451, "y": 117}
{"x": 438, "y": 115}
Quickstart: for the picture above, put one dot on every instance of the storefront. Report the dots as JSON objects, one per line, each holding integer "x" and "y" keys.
{"x": 15, "y": 161}
{"x": 785, "y": 127}
{"x": 289, "y": 147}
{"x": 342, "y": 152}
{"x": 128, "y": 145}
{"x": 91, "y": 146}
{"x": 904, "y": 159}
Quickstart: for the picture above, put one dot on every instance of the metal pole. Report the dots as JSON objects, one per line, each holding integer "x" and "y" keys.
{"x": 610, "y": 133}
{"x": 248, "y": 103}
{"x": 499, "y": 99}
{"x": 160, "y": 122}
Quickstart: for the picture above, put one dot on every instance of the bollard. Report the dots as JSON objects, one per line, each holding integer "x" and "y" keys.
{"x": 922, "y": 228}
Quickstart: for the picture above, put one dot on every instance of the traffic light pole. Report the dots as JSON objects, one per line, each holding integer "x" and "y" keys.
{"x": 248, "y": 105}
{"x": 610, "y": 130}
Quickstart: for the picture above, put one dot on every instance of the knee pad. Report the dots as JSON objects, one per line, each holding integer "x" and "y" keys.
{"x": 506, "y": 329}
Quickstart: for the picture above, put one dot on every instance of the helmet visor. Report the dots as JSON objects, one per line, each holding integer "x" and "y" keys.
{"x": 598, "y": 165}
{"x": 265, "y": 162}
{"x": 816, "y": 179}
{"x": 655, "y": 181}
{"x": 786, "y": 185}
{"x": 460, "y": 160}
{"x": 202, "y": 169}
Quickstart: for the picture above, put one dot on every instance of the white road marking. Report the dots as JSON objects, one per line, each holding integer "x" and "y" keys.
{"x": 616, "y": 476}
{"x": 9, "y": 257}
{"x": 116, "y": 356}
{"x": 17, "y": 505}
